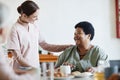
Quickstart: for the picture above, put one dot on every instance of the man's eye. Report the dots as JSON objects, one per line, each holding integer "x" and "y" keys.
{"x": 78, "y": 33}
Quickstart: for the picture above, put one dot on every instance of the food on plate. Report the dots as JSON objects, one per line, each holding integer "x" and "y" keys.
{"x": 87, "y": 73}
{"x": 59, "y": 74}
{"x": 76, "y": 73}
{"x": 84, "y": 74}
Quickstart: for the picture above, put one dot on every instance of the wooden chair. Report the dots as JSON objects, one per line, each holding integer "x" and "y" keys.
{"x": 42, "y": 57}
{"x": 47, "y": 58}
{"x": 47, "y": 63}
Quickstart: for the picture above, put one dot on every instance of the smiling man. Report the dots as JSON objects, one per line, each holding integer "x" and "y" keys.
{"x": 84, "y": 56}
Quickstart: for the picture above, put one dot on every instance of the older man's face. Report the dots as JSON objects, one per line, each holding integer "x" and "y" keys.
{"x": 80, "y": 37}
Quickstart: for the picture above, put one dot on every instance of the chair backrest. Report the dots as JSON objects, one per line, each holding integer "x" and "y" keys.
{"x": 47, "y": 58}
{"x": 114, "y": 63}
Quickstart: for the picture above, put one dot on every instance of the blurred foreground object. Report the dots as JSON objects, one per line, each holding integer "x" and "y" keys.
{"x": 4, "y": 17}
{"x": 114, "y": 77}
{"x": 4, "y": 10}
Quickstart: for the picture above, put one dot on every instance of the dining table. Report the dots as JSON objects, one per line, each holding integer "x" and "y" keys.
{"x": 75, "y": 78}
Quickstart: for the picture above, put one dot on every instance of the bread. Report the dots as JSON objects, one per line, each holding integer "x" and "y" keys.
{"x": 59, "y": 74}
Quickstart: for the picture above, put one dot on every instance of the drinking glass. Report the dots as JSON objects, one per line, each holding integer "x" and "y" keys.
{"x": 101, "y": 65}
{"x": 99, "y": 74}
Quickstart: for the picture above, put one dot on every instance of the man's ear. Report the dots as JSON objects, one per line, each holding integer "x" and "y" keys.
{"x": 89, "y": 36}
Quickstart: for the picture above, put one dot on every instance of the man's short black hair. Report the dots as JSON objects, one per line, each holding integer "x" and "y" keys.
{"x": 87, "y": 28}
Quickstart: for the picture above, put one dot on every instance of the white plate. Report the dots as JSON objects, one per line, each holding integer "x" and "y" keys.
{"x": 64, "y": 78}
{"x": 84, "y": 74}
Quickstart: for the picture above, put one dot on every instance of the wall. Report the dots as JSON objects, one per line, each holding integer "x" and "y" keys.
{"x": 58, "y": 17}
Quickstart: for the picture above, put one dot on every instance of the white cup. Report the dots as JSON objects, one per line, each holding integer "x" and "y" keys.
{"x": 65, "y": 69}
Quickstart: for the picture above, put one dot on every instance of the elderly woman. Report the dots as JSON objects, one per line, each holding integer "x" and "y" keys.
{"x": 84, "y": 55}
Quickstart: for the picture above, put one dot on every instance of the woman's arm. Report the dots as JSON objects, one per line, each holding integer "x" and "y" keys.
{"x": 13, "y": 46}
{"x": 18, "y": 56}
{"x": 52, "y": 47}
